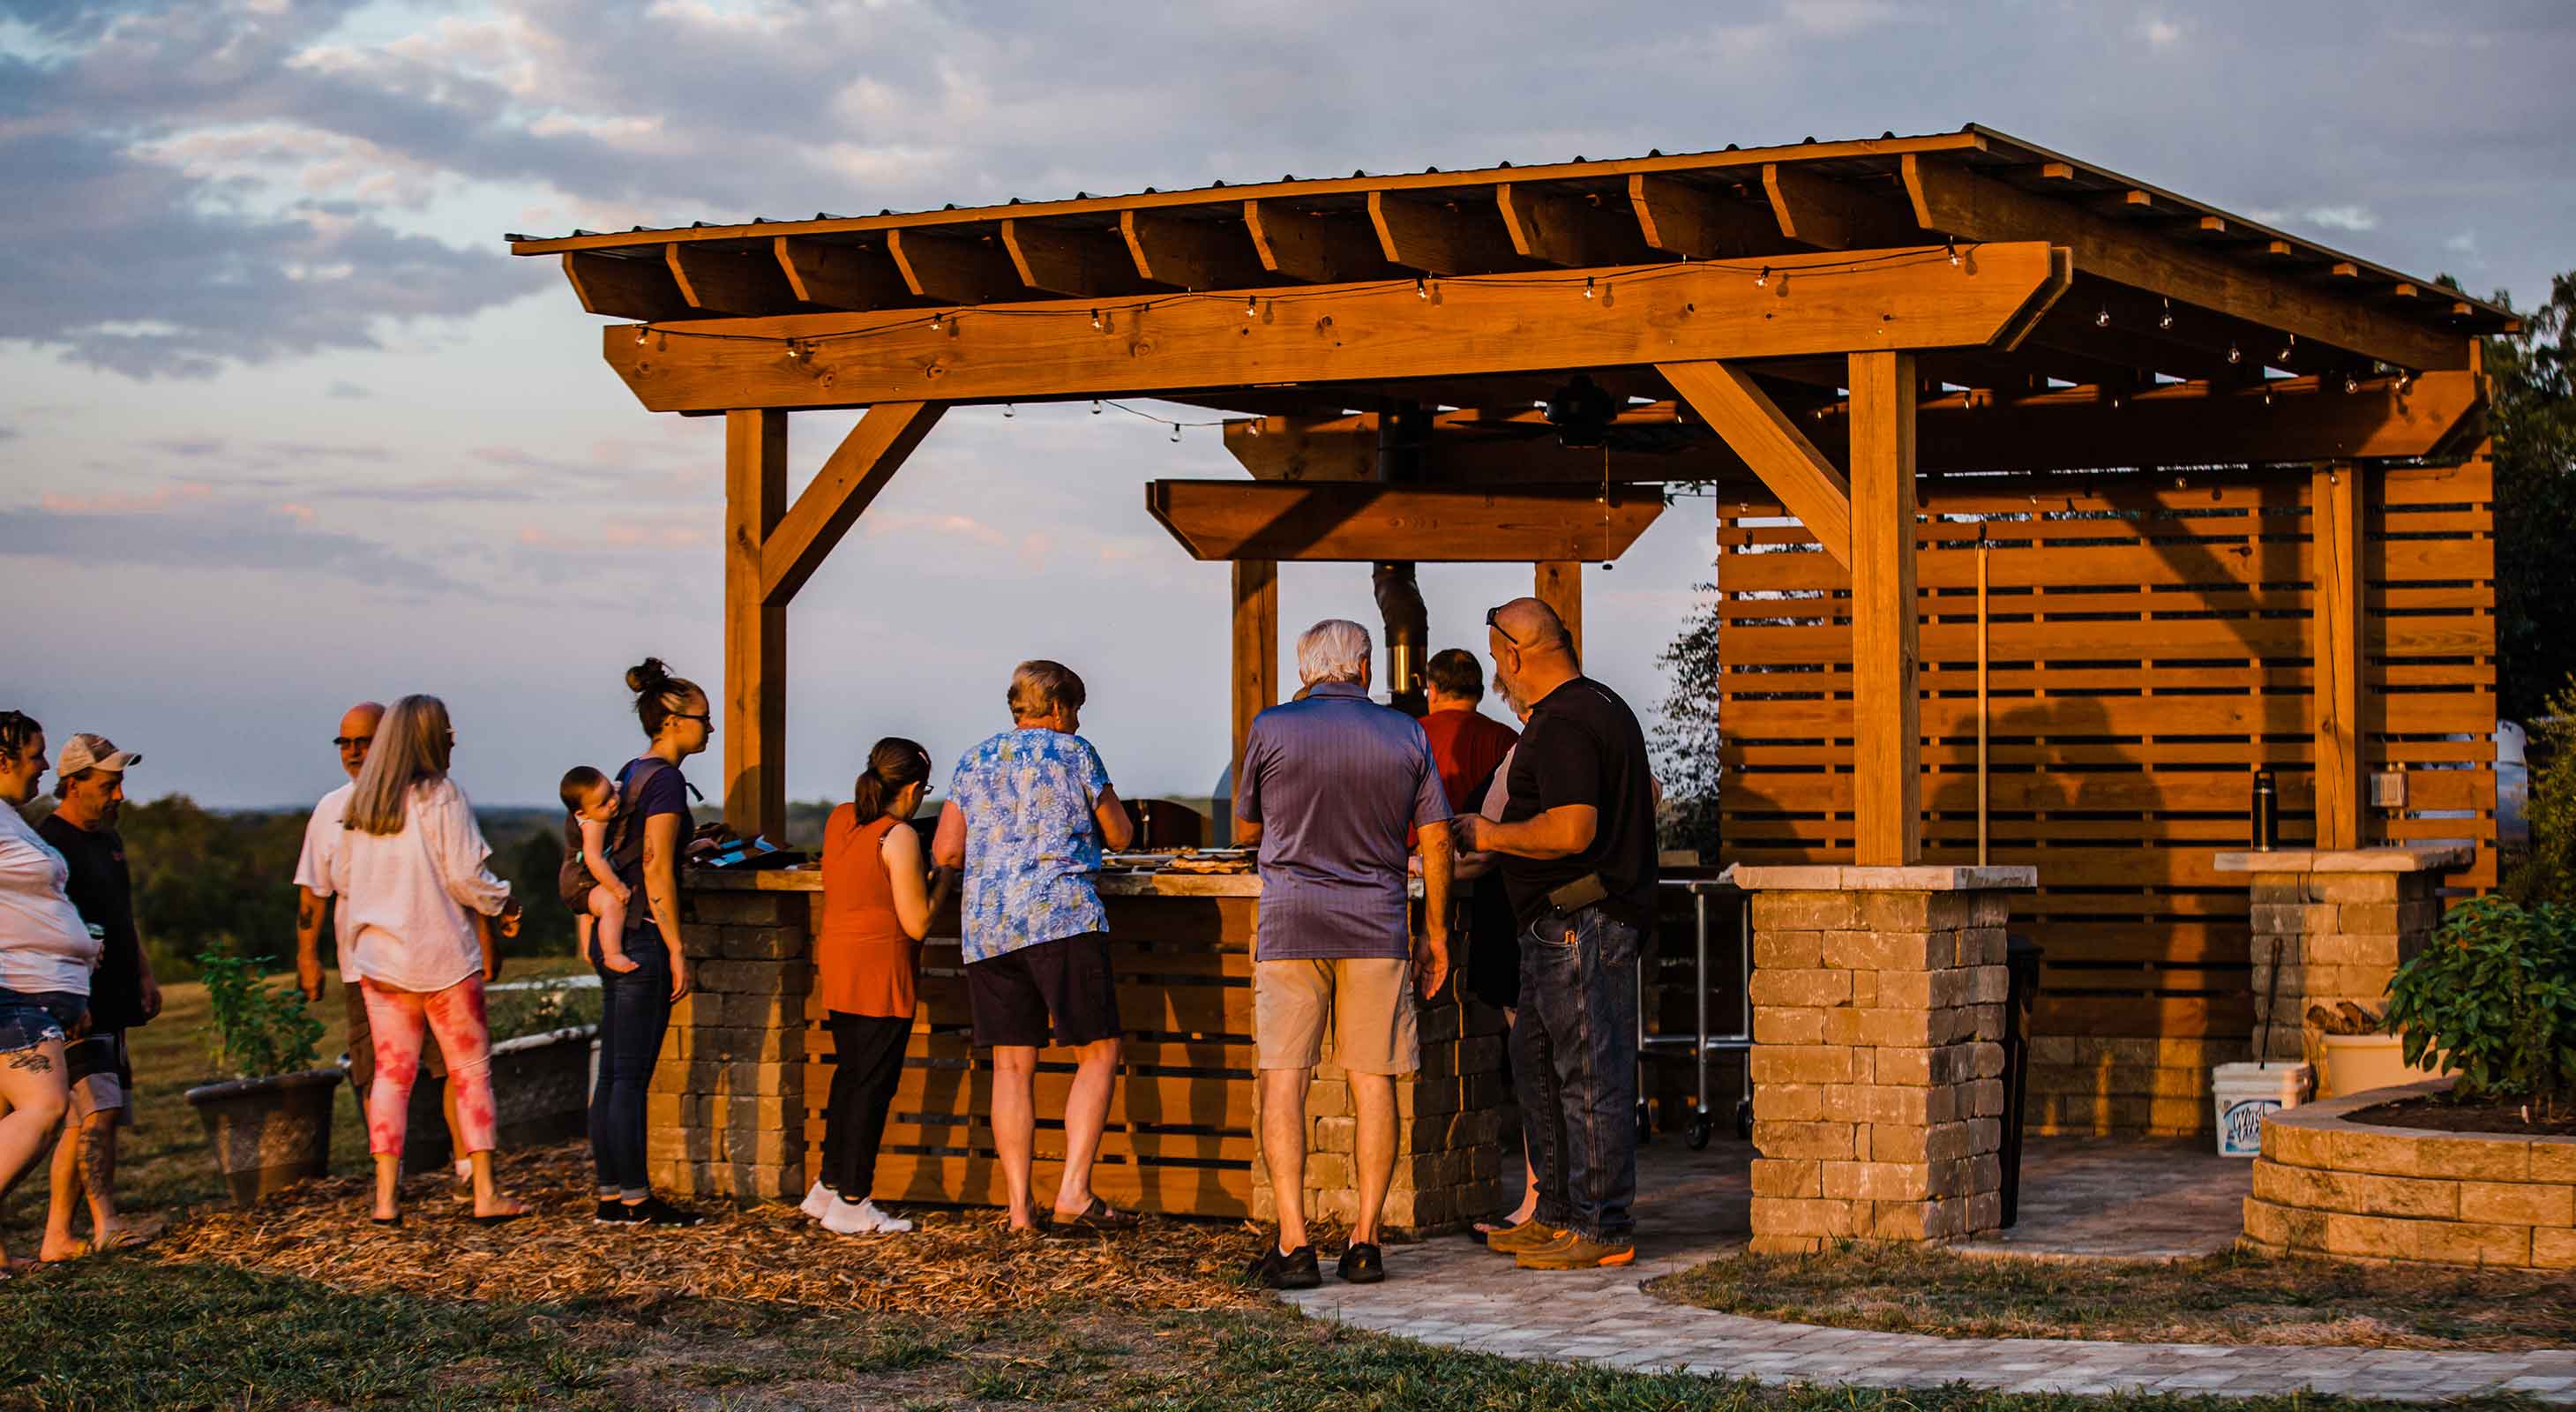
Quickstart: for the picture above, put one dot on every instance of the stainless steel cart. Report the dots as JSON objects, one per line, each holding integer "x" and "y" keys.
{"x": 1701, "y": 1043}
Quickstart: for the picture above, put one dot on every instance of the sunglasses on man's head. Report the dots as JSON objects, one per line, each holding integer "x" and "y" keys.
{"x": 1490, "y": 615}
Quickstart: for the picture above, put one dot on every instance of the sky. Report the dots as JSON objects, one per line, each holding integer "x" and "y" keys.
{"x": 282, "y": 424}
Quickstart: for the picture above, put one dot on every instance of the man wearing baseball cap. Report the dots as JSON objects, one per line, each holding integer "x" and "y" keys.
{"x": 90, "y": 782}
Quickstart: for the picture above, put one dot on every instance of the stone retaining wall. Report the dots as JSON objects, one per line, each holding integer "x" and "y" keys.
{"x": 2327, "y": 1186}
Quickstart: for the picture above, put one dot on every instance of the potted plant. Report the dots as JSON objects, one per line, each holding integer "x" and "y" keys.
{"x": 2494, "y": 999}
{"x": 269, "y": 1112}
{"x": 542, "y": 1036}
{"x": 2361, "y": 1051}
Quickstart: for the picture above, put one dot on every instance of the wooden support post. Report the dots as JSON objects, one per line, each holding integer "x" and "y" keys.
{"x": 754, "y": 718}
{"x": 1559, "y": 585}
{"x": 2335, "y": 547}
{"x": 1256, "y": 650}
{"x": 1887, "y": 785}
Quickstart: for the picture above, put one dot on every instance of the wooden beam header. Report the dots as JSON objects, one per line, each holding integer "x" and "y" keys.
{"x": 1808, "y": 305}
{"x": 1353, "y": 522}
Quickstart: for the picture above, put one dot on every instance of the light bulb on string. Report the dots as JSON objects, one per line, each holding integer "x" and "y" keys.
{"x": 1588, "y": 291}
{"x": 2289, "y": 349}
{"x": 2351, "y": 384}
{"x": 795, "y": 350}
{"x": 2233, "y": 355}
{"x": 1009, "y": 411}
{"x": 1952, "y": 247}
{"x": 934, "y": 323}
{"x": 1763, "y": 278}
{"x": 1421, "y": 287}
{"x": 1095, "y": 318}
{"x": 1176, "y": 431}
{"x": 1251, "y": 310}
{"x": 2102, "y": 319}
{"x": 642, "y": 331}
{"x": 1095, "y": 406}
{"x": 2165, "y": 319}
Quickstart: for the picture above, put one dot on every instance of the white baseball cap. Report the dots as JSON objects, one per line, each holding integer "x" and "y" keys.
{"x": 93, "y": 752}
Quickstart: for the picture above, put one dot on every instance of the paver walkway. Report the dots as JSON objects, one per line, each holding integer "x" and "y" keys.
{"x": 1453, "y": 1293}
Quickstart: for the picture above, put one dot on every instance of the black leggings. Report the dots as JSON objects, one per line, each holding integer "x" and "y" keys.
{"x": 867, "y": 1062}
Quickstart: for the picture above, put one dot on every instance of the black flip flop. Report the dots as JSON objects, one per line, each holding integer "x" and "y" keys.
{"x": 389, "y": 1222}
{"x": 1099, "y": 1216}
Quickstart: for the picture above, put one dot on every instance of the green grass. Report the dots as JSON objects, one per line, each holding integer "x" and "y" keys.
{"x": 2233, "y": 1298}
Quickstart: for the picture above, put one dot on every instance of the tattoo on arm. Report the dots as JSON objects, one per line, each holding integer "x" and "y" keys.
{"x": 31, "y": 1061}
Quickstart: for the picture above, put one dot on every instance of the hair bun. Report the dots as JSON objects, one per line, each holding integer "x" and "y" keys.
{"x": 648, "y": 676}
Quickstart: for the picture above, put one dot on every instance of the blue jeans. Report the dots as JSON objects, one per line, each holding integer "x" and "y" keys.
{"x": 1574, "y": 1065}
{"x": 634, "y": 1014}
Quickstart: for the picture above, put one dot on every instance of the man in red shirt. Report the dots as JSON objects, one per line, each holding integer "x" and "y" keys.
{"x": 1465, "y": 743}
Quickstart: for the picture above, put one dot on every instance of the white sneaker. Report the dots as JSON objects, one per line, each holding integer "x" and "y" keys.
{"x": 817, "y": 1201}
{"x": 887, "y": 1225}
{"x": 846, "y": 1218}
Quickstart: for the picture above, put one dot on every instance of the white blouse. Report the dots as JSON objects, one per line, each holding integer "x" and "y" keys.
{"x": 404, "y": 894}
{"x": 44, "y": 945}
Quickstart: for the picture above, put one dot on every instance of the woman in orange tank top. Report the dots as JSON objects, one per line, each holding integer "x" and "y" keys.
{"x": 877, "y": 904}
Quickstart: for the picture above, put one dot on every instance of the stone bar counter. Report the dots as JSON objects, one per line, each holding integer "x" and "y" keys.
{"x": 737, "y": 1105}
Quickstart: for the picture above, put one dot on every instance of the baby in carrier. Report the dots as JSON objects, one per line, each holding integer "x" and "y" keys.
{"x": 588, "y": 878}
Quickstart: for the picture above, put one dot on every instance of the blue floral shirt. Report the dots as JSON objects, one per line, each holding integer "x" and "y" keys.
{"x": 1031, "y": 843}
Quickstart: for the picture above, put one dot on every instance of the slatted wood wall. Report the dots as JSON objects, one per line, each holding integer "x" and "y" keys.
{"x": 1180, "y": 1138}
{"x": 2148, "y": 652}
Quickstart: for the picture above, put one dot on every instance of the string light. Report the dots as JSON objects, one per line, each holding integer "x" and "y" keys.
{"x": 1009, "y": 411}
{"x": 641, "y": 331}
{"x": 2165, "y": 319}
{"x": 1095, "y": 406}
{"x": 2289, "y": 350}
{"x": 1176, "y": 431}
{"x": 1951, "y": 248}
{"x": 1095, "y": 318}
{"x": 1421, "y": 287}
{"x": 1588, "y": 291}
{"x": 2351, "y": 384}
{"x": 795, "y": 350}
{"x": 2102, "y": 319}
{"x": 1763, "y": 278}
{"x": 2405, "y": 378}
{"x": 1251, "y": 310}
{"x": 934, "y": 323}
{"x": 2233, "y": 355}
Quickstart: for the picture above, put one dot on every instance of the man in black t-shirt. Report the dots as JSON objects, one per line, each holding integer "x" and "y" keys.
{"x": 90, "y": 782}
{"x": 1577, "y": 841}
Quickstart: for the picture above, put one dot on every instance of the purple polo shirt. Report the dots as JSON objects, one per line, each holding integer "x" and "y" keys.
{"x": 1334, "y": 781}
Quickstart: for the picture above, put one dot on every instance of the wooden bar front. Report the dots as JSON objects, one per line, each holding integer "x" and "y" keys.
{"x": 1182, "y": 1127}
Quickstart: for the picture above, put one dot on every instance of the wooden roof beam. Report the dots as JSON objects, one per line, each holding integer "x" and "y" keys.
{"x": 1192, "y": 254}
{"x": 1344, "y": 522}
{"x": 1699, "y": 224}
{"x": 1959, "y": 202}
{"x": 1567, "y": 230}
{"x": 840, "y": 492}
{"x": 1086, "y": 264}
{"x": 1442, "y": 239}
{"x": 1344, "y": 334}
{"x": 722, "y": 281}
{"x": 947, "y": 269}
{"x": 839, "y": 276}
{"x": 620, "y": 288}
{"x": 1828, "y": 214}
{"x": 1316, "y": 248}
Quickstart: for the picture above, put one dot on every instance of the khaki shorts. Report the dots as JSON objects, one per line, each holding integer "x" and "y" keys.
{"x": 1369, "y": 1002}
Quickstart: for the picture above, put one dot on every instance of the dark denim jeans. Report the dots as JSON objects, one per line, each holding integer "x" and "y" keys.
{"x": 1574, "y": 1064}
{"x": 634, "y": 1014}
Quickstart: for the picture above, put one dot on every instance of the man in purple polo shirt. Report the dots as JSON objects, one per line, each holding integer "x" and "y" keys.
{"x": 1329, "y": 785}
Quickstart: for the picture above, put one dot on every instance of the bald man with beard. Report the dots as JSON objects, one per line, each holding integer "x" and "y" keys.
{"x": 313, "y": 896}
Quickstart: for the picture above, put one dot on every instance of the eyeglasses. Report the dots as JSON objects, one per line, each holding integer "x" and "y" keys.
{"x": 708, "y": 721}
{"x": 1490, "y": 615}
{"x": 345, "y": 741}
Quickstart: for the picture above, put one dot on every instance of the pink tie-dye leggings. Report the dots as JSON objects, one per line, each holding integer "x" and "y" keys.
{"x": 399, "y": 1019}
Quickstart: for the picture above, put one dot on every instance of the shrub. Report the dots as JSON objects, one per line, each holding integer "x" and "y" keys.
{"x": 260, "y": 1029}
{"x": 2494, "y": 997}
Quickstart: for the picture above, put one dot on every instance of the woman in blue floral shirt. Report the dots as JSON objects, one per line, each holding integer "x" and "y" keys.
{"x": 1028, "y": 812}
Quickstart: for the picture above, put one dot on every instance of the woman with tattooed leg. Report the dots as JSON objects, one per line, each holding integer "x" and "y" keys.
{"x": 46, "y": 956}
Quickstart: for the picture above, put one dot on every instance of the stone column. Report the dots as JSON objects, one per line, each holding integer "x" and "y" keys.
{"x": 2340, "y": 922}
{"x": 1448, "y": 1129}
{"x": 1878, "y": 1063}
{"x": 726, "y": 1115}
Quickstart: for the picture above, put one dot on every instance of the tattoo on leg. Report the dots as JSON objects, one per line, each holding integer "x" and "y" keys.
{"x": 309, "y": 915}
{"x": 98, "y": 1162}
{"x": 32, "y": 1061}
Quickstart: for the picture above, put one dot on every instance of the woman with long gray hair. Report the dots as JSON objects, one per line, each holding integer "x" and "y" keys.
{"x": 407, "y": 871}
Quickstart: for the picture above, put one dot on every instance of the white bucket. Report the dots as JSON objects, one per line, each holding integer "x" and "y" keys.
{"x": 2245, "y": 1092}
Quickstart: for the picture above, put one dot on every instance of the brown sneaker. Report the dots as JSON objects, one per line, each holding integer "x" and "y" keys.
{"x": 1573, "y": 1252}
{"x": 1528, "y": 1235}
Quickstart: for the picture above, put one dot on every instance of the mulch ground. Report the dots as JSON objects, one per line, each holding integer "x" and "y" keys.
{"x": 2443, "y": 1113}
{"x": 955, "y": 1263}
{"x": 2230, "y": 1299}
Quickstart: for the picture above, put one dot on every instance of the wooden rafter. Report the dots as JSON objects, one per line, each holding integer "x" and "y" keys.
{"x": 1956, "y": 201}
{"x": 841, "y": 276}
{"x": 1566, "y": 230}
{"x": 1318, "y": 249}
{"x": 725, "y": 280}
{"x": 1699, "y": 224}
{"x": 946, "y": 269}
{"x": 1814, "y": 209}
{"x": 626, "y": 289}
{"x": 1191, "y": 254}
{"x": 1087, "y": 264}
{"x": 1477, "y": 326}
{"x": 1441, "y": 239}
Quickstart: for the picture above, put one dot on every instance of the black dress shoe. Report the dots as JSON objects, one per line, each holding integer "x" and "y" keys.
{"x": 1293, "y": 1270}
{"x": 1361, "y": 1264}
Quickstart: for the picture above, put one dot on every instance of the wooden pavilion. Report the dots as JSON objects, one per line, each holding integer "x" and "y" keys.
{"x": 2052, "y": 504}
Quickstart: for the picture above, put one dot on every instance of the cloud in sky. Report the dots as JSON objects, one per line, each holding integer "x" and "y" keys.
{"x": 191, "y": 525}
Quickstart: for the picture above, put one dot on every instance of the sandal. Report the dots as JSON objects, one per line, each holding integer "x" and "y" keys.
{"x": 126, "y": 1238}
{"x": 1098, "y": 1216}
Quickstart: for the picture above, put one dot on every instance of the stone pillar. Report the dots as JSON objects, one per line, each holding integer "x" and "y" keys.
{"x": 1448, "y": 1129}
{"x": 1878, "y": 1063}
{"x": 2340, "y": 922}
{"x": 726, "y": 1115}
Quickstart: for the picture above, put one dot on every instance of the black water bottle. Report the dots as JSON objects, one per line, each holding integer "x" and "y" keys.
{"x": 2267, "y": 812}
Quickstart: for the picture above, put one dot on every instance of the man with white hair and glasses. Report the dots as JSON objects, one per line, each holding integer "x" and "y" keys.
{"x": 1329, "y": 785}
